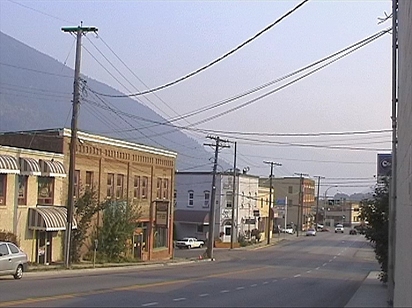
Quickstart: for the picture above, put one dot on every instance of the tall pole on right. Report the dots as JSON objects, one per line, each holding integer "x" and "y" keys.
{"x": 392, "y": 187}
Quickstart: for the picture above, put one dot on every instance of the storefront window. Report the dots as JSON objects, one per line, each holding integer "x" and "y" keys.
{"x": 160, "y": 237}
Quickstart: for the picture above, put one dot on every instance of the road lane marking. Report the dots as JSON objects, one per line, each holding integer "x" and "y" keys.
{"x": 224, "y": 291}
{"x": 240, "y": 288}
{"x": 317, "y": 268}
{"x": 265, "y": 282}
{"x": 309, "y": 271}
{"x": 274, "y": 280}
{"x": 179, "y": 299}
{"x": 253, "y": 285}
{"x": 298, "y": 275}
{"x": 284, "y": 278}
{"x": 149, "y": 304}
{"x": 334, "y": 257}
{"x": 324, "y": 264}
{"x": 204, "y": 295}
{"x": 29, "y": 301}
{"x": 330, "y": 260}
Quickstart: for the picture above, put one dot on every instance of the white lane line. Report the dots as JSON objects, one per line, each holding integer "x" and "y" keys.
{"x": 149, "y": 304}
{"x": 334, "y": 257}
{"x": 317, "y": 268}
{"x": 274, "y": 280}
{"x": 224, "y": 291}
{"x": 265, "y": 282}
{"x": 204, "y": 295}
{"x": 324, "y": 264}
{"x": 330, "y": 260}
{"x": 310, "y": 271}
{"x": 240, "y": 288}
{"x": 284, "y": 278}
{"x": 298, "y": 275}
{"x": 339, "y": 254}
{"x": 253, "y": 285}
{"x": 179, "y": 299}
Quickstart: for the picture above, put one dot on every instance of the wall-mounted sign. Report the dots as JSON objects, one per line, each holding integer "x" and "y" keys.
{"x": 226, "y": 213}
{"x": 162, "y": 214}
{"x": 384, "y": 167}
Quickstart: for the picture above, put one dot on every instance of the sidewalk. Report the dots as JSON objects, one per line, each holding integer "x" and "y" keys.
{"x": 372, "y": 293}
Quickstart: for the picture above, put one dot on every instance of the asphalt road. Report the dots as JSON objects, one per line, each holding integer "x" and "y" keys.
{"x": 321, "y": 271}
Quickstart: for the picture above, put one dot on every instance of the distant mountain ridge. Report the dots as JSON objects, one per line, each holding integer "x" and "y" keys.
{"x": 35, "y": 93}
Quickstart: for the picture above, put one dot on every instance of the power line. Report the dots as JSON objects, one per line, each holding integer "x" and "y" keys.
{"x": 213, "y": 62}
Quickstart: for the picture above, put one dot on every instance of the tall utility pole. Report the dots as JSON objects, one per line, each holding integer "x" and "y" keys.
{"x": 80, "y": 30}
{"x": 317, "y": 201}
{"x": 270, "y": 218}
{"x": 232, "y": 233}
{"x": 300, "y": 205}
{"x": 392, "y": 187}
{"x": 211, "y": 237}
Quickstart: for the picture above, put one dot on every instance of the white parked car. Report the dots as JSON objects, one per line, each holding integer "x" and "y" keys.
{"x": 289, "y": 229}
{"x": 189, "y": 242}
{"x": 311, "y": 232}
{"x": 339, "y": 228}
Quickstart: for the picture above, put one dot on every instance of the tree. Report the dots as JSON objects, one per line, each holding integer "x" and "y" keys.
{"x": 376, "y": 212}
{"x": 85, "y": 207}
{"x": 120, "y": 219}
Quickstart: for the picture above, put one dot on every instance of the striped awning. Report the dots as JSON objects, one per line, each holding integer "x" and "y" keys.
{"x": 29, "y": 166}
{"x": 49, "y": 218}
{"x": 8, "y": 164}
{"x": 52, "y": 168}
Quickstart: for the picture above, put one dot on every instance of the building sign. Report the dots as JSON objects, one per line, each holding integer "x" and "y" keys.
{"x": 162, "y": 214}
{"x": 384, "y": 167}
{"x": 226, "y": 213}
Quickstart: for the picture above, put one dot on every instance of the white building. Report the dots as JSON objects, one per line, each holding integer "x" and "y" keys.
{"x": 192, "y": 205}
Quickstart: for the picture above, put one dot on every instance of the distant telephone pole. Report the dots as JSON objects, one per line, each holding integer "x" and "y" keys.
{"x": 300, "y": 205}
{"x": 317, "y": 201}
{"x": 210, "y": 241}
{"x": 80, "y": 30}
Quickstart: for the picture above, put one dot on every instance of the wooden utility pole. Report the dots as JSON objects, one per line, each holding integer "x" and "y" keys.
{"x": 232, "y": 233}
{"x": 211, "y": 238}
{"x": 80, "y": 30}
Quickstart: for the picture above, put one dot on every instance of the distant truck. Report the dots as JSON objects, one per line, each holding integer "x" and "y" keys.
{"x": 189, "y": 243}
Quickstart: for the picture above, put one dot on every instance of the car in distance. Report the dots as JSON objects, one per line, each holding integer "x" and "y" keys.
{"x": 289, "y": 229}
{"x": 189, "y": 242}
{"x": 339, "y": 228}
{"x": 311, "y": 232}
{"x": 13, "y": 261}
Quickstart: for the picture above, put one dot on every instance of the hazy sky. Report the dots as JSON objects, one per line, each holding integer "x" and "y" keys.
{"x": 161, "y": 41}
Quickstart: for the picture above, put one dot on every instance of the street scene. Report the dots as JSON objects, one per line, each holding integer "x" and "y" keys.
{"x": 302, "y": 272}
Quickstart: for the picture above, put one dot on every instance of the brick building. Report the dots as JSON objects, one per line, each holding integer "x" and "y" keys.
{"x": 117, "y": 169}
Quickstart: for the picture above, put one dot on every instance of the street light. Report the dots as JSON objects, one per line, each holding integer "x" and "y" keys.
{"x": 270, "y": 195}
{"x": 324, "y": 202}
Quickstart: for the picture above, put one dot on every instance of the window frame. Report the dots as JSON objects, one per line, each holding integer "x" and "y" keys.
{"x": 110, "y": 185}
{"x": 51, "y": 183}
{"x": 206, "y": 202}
{"x": 190, "y": 198}
{"x": 3, "y": 188}
{"x": 22, "y": 200}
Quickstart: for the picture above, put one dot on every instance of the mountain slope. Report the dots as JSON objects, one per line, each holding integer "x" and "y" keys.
{"x": 36, "y": 93}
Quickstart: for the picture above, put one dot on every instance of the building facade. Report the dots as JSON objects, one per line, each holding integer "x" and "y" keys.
{"x": 32, "y": 185}
{"x": 118, "y": 170}
{"x": 193, "y": 193}
{"x": 289, "y": 189}
{"x": 403, "y": 254}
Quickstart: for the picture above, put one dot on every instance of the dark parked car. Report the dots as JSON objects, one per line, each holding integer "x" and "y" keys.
{"x": 13, "y": 261}
{"x": 353, "y": 232}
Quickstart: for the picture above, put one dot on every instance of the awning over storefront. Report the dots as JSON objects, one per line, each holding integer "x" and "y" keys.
{"x": 29, "y": 166}
{"x": 52, "y": 168}
{"x": 191, "y": 217}
{"x": 8, "y": 164}
{"x": 49, "y": 218}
